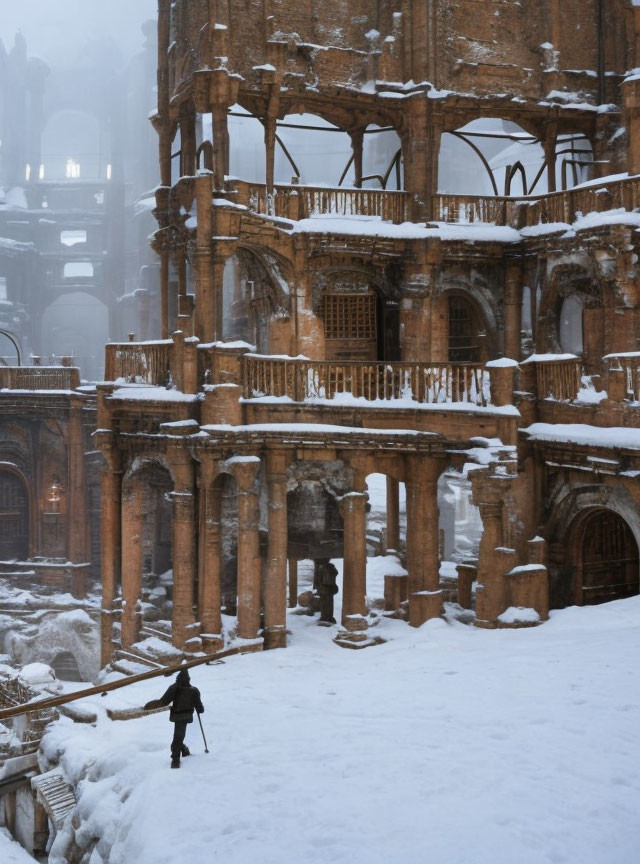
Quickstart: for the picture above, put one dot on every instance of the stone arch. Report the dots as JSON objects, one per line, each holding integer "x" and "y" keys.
{"x": 255, "y": 299}
{"x": 204, "y": 156}
{"x": 78, "y": 323}
{"x": 466, "y": 306}
{"x": 17, "y": 513}
{"x": 579, "y": 282}
{"x": 311, "y": 148}
{"x": 73, "y": 144}
{"x": 566, "y": 531}
{"x": 360, "y": 311}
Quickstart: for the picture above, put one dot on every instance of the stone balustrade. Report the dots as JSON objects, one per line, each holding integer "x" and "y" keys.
{"x": 301, "y": 202}
{"x": 526, "y": 211}
{"x": 303, "y": 380}
{"x": 39, "y": 377}
{"x": 139, "y": 362}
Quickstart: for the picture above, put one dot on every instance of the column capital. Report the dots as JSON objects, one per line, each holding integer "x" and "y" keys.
{"x": 244, "y": 469}
{"x": 422, "y": 470}
{"x": 352, "y": 502}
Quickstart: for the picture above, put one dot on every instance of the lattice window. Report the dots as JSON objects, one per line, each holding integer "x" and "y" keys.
{"x": 463, "y": 346}
{"x": 350, "y": 316}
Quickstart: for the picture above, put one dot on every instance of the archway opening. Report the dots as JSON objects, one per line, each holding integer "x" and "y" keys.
{"x": 609, "y": 560}
{"x": 77, "y": 324}
{"x": 14, "y": 517}
{"x": 227, "y": 486}
{"x": 465, "y": 331}
{"x": 73, "y": 148}
{"x": 66, "y": 667}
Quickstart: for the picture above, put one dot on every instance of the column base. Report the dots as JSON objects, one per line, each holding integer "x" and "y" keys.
{"x": 275, "y": 637}
{"x": 212, "y": 642}
{"x": 423, "y": 606}
{"x": 396, "y": 591}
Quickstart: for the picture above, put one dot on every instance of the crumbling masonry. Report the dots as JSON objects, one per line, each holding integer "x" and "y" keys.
{"x": 314, "y": 334}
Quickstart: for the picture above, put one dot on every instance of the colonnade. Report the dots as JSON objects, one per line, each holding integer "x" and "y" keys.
{"x": 262, "y": 590}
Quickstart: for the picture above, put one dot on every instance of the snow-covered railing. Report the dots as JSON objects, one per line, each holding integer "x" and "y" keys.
{"x": 629, "y": 363}
{"x": 39, "y": 377}
{"x": 558, "y": 379}
{"x": 139, "y": 362}
{"x": 303, "y": 380}
{"x": 301, "y": 202}
{"x": 525, "y": 211}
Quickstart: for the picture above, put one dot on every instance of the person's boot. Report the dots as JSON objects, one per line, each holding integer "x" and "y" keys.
{"x": 175, "y": 762}
{"x": 185, "y": 750}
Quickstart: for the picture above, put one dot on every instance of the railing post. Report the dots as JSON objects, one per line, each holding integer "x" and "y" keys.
{"x": 501, "y": 375}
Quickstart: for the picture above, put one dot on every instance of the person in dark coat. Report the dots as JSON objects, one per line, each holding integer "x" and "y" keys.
{"x": 184, "y": 700}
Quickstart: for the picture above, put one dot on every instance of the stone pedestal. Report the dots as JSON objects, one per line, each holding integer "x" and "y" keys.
{"x": 396, "y": 592}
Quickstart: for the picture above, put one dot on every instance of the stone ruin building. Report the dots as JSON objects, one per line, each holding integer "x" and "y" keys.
{"x": 392, "y": 238}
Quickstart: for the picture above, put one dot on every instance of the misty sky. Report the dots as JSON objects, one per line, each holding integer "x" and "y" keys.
{"x": 56, "y": 30}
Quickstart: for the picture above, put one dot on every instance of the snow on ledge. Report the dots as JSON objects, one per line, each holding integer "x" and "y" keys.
{"x": 590, "y": 436}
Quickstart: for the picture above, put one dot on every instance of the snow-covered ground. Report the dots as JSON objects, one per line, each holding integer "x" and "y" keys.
{"x": 446, "y": 744}
{"x": 10, "y": 851}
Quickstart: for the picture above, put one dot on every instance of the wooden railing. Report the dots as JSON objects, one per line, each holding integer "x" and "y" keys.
{"x": 303, "y": 380}
{"x": 139, "y": 362}
{"x": 39, "y": 378}
{"x": 630, "y": 365}
{"x": 301, "y": 202}
{"x": 558, "y": 379}
{"x": 526, "y": 211}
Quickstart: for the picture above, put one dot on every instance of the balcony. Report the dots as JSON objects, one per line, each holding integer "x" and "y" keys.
{"x": 411, "y": 383}
{"x": 39, "y": 378}
{"x": 523, "y": 212}
{"x": 303, "y": 202}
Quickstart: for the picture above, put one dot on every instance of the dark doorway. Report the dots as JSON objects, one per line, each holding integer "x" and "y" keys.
{"x": 463, "y": 332}
{"x": 14, "y": 518}
{"x": 609, "y": 559}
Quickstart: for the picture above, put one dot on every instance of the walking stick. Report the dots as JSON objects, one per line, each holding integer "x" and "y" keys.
{"x": 206, "y": 749}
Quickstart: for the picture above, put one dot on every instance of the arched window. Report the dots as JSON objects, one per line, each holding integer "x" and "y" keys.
{"x": 571, "y": 325}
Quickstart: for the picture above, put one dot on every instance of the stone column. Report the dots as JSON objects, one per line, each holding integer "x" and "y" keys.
{"x": 357, "y": 145}
{"x": 188, "y": 141}
{"x": 393, "y": 515}
{"x": 220, "y": 139}
{"x": 550, "y": 155}
{"x": 206, "y": 302}
{"x": 354, "y": 605}
{"x": 132, "y": 522}
{"x": 275, "y": 588}
{"x": 245, "y": 470}
{"x": 512, "y": 309}
{"x": 209, "y": 560}
{"x": 164, "y": 293}
{"x": 77, "y": 522}
{"x": 111, "y": 534}
{"x": 425, "y": 596}
{"x": 270, "y": 128}
{"x": 183, "y": 633}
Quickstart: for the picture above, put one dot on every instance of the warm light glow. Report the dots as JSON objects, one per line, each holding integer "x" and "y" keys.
{"x": 73, "y": 169}
{"x": 55, "y": 494}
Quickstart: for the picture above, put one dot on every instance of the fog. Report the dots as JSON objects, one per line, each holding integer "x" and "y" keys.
{"x": 77, "y": 155}
{"x": 58, "y": 30}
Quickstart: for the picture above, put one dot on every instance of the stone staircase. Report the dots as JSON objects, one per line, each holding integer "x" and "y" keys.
{"x": 153, "y": 651}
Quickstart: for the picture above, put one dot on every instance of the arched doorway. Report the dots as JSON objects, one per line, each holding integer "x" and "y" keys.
{"x": 609, "y": 562}
{"x": 465, "y": 331}
{"x": 14, "y": 517}
{"x": 77, "y": 324}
